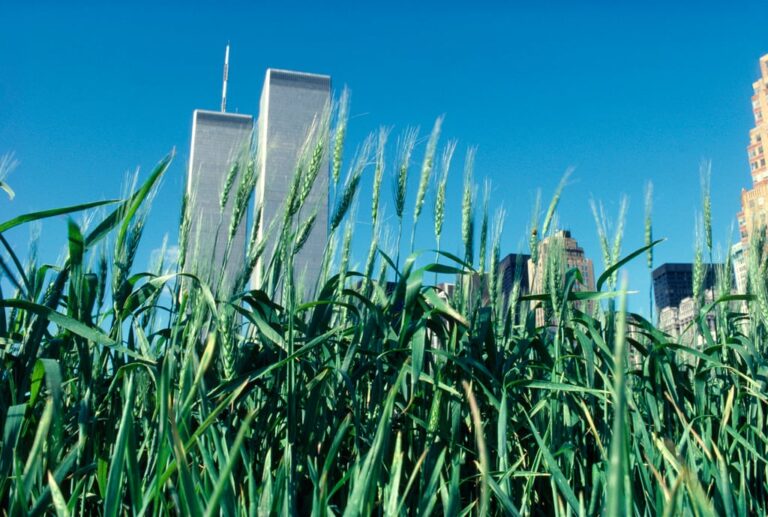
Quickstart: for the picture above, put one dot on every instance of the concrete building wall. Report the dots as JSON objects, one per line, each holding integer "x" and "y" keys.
{"x": 514, "y": 268}
{"x": 758, "y": 136}
{"x": 688, "y": 330}
{"x": 219, "y": 140}
{"x": 561, "y": 242}
{"x": 291, "y": 102}
{"x": 754, "y": 210}
{"x": 754, "y": 202}
{"x": 513, "y": 274}
{"x": 678, "y": 323}
{"x": 574, "y": 258}
{"x": 674, "y": 281}
{"x": 738, "y": 255}
{"x": 668, "y": 321}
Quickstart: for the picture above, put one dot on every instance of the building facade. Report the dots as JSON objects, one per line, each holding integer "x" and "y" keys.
{"x": 574, "y": 258}
{"x": 758, "y": 135}
{"x": 673, "y": 290}
{"x": 511, "y": 274}
{"x": 292, "y": 109}
{"x": 754, "y": 201}
{"x": 673, "y": 282}
{"x": 571, "y": 256}
{"x": 754, "y": 210}
{"x": 220, "y": 146}
{"x": 514, "y": 281}
{"x": 678, "y": 322}
{"x": 739, "y": 259}
{"x": 513, "y": 269}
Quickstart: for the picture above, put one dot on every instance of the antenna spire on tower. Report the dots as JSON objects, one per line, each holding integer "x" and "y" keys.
{"x": 224, "y": 85}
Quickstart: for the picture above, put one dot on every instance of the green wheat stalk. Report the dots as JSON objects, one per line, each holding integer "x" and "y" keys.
{"x": 378, "y": 173}
{"x": 442, "y": 183}
{"x": 426, "y": 174}
{"x": 339, "y": 134}
{"x": 467, "y": 208}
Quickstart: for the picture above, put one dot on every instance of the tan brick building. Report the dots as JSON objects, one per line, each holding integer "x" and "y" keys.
{"x": 754, "y": 201}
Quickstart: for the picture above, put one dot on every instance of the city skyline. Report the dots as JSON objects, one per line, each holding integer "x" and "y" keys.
{"x": 550, "y": 105}
{"x": 409, "y": 258}
{"x": 239, "y": 179}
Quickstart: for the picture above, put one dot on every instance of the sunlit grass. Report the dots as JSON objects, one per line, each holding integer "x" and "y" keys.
{"x": 140, "y": 393}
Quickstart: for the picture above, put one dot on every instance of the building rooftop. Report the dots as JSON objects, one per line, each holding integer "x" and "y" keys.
{"x": 304, "y": 79}
{"x": 222, "y": 114}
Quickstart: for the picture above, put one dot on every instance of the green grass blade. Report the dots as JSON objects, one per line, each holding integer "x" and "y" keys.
{"x": 234, "y": 455}
{"x": 44, "y": 214}
{"x": 615, "y": 267}
{"x": 114, "y": 496}
{"x": 618, "y": 500}
{"x": 59, "y": 503}
{"x": 554, "y": 469}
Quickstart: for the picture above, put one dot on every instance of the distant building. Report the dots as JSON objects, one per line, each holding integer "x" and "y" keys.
{"x": 758, "y": 135}
{"x": 574, "y": 258}
{"x": 739, "y": 258}
{"x": 219, "y": 141}
{"x": 510, "y": 270}
{"x": 673, "y": 282}
{"x": 561, "y": 242}
{"x": 291, "y": 104}
{"x": 514, "y": 269}
{"x": 687, "y": 310}
{"x": 754, "y": 210}
{"x": 678, "y": 321}
{"x": 669, "y": 321}
{"x": 673, "y": 289}
{"x": 446, "y": 290}
{"x": 754, "y": 201}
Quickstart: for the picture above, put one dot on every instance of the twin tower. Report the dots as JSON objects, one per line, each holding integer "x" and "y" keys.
{"x": 224, "y": 172}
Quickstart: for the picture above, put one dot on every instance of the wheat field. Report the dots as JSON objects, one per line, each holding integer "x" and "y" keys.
{"x": 156, "y": 392}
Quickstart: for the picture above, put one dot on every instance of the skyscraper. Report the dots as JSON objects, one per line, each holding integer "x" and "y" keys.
{"x": 560, "y": 243}
{"x": 513, "y": 282}
{"x": 574, "y": 258}
{"x": 514, "y": 268}
{"x": 674, "y": 282}
{"x": 754, "y": 202}
{"x": 675, "y": 303}
{"x": 219, "y": 142}
{"x": 293, "y": 105}
{"x": 512, "y": 273}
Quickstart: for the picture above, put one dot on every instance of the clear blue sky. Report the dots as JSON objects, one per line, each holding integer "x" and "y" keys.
{"x": 625, "y": 93}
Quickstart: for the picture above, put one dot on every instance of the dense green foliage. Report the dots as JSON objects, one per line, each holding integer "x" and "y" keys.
{"x": 158, "y": 392}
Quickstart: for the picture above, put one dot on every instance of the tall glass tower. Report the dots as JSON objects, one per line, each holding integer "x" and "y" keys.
{"x": 219, "y": 152}
{"x": 292, "y": 105}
